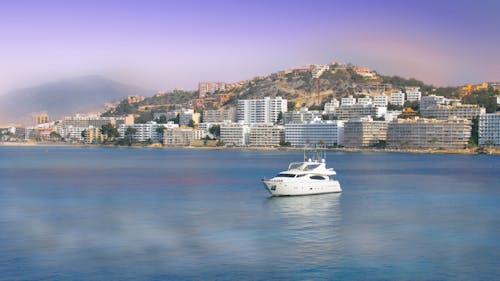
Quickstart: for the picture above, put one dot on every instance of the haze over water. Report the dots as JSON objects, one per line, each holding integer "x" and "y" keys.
{"x": 139, "y": 214}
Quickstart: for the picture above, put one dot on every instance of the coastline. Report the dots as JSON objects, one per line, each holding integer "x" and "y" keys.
{"x": 469, "y": 151}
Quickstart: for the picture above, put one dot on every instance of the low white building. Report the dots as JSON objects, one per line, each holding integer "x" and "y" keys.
{"x": 431, "y": 100}
{"x": 380, "y": 101}
{"x": 266, "y": 135}
{"x": 413, "y": 94}
{"x": 328, "y": 132}
{"x": 348, "y": 101}
{"x": 146, "y": 132}
{"x": 397, "y": 98}
{"x": 234, "y": 134}
{"x": 365, "y": 100}
{"x": 331, "y": 106}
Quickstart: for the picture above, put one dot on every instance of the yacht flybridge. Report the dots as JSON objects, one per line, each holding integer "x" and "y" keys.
{"x": 304, "y": 178}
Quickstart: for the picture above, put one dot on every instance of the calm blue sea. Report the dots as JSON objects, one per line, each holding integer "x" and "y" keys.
{"x": 69, "y": 213}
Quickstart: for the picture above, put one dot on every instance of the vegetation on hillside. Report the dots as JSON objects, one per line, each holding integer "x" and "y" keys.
{"x": 485, "y": 97}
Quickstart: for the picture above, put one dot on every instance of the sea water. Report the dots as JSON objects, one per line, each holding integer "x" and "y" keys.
{"x": 72, "y": 213}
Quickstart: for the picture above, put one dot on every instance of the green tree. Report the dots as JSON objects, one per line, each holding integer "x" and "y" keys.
{"x": 485, "y": 97}
{"x": 474, "y": 134}
{"x": 215, "y": 131}
{"x": 55, "y": 136}
{"x": 129, "y": 133}
{"x": 109, "y": 132}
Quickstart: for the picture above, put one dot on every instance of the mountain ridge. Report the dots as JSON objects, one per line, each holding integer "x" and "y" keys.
{"x": 62, "y": 97}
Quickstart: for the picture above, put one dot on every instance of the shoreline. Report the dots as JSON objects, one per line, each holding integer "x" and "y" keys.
{"x": 468, "y": 151}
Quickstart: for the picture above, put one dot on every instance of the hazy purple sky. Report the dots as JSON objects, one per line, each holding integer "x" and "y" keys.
{"x": 175, "y": 44}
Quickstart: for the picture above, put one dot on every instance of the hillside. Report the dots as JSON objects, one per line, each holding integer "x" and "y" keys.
{"x": 300, "y": 87}
{"x": 63, "y": 97}
{"x": 296, "y": 85}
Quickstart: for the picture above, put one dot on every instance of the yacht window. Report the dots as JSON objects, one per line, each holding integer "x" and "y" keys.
{"x": 298, "y": 176}
{"x": 311, "y": 167}
{"x": 317, "y": 177}
{"x": 295, "y": 165}
{"x": 285, "y": 176}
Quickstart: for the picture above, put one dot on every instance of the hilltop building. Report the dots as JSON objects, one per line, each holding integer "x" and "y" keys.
{"x": 206, "y": 88}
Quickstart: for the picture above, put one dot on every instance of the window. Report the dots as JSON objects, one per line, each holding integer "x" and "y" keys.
{"x": 285, "y": 176}
{"x": 317, "y": 177}
{"x": 311, "y": 167}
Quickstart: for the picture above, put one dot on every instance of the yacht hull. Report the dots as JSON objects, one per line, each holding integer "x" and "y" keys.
{"x": 289, "y": 188}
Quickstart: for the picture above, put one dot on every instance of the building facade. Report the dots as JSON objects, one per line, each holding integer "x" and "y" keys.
{"x": 300, "y": 116}
{"x": 234, "y": 134}
{"x": 206, "y": 88}
{"x": 380, "y": 101}
{"x": 397, "y": 98}
{"x": 264, "y": 110}
{"x": 364, "y": 132}
{"x": 421, "y": 133}
{"x": 359, "y": 110}
{"x": 266, "y": 135}
{"x": 178, "y": 137}
{"x": 329, "y": 132}
{"x": 413, "y": 94}
{"x": 489, "y": 129}
{"x": 219, "y": 116}
{"x": 467, "y": 111}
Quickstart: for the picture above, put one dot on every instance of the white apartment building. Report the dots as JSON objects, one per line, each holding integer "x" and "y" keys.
{"x": 219, "y": 116}
{"x": 178, "y": 137}
{"x": 146, "y": 132}
{"x": 329, "y": 132}
{"x": 264, "y": 110}
{"x": 380, "y": 101}
{"x": 332, "y": 105}
{"x": 359, "y": 110}
{"x": 365, "y": 100}
{"x": 234, "y": 134}
{"x": 363, "y": 132}
{"x": 453, "y": 133}
{"x": 348, "y": 101}
{"x": 266, "y": 135}
{"x": 186, "y": 115}
{"x": 489, "y": 129}
{"x": 318, "y": 69}
{"x": 431, "y": 100}
{"x": 413, "y": 94}
{"x": 468, "y": 111}
{"x": 300, "y": 116}
{"x": 397, "y": 98}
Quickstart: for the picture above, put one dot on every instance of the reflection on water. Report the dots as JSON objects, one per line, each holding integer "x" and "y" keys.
{"x": 320, "y": 206}
{"x": 137, "y": 215}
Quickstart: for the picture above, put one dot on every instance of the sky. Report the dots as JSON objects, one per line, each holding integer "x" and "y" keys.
{"x": 163, "y": 45}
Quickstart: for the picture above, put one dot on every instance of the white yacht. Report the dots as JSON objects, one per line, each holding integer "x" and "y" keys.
{"x": 304, "y": 178}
